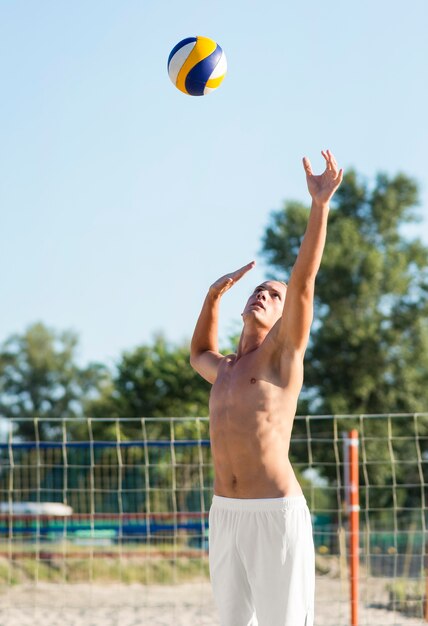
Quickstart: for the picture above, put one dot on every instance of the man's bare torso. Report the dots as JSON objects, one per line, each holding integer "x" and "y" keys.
{"x": 252, "y": 407}
{"x": 254, "y": 395}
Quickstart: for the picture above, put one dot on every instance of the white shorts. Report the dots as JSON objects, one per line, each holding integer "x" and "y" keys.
{"x": 262, "y": 561}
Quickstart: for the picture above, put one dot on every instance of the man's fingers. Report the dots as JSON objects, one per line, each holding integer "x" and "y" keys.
{"x": 249, "y": 266}
{"x": 328, "y": 162}
{"x": 243, "y": 270}
{"x": 228, "y": 280}
{"x": 333, "y": 160}
{"x": 339, "y": 177}
{"x": 307, "y": 166}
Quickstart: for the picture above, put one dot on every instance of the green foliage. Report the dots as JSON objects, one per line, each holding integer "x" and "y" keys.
{"x": 407, "y": 596}
{"x": 146, "y": 566}
{"x": 152, "y": 381}
{"x": 39, "y": 378}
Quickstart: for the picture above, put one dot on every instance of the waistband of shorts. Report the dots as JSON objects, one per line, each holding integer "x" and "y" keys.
{"x": 259, "y": 504}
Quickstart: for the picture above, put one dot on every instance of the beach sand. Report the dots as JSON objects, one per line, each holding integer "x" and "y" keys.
{"x": 190, "y": 604}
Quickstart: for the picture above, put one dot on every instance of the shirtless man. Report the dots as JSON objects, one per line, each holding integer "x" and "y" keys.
{"x": 261, "y": 551}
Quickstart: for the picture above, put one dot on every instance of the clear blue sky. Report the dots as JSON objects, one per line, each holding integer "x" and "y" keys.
{"x": 122, "y": 199}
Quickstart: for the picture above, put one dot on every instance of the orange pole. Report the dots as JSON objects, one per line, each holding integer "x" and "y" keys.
{"x": 354, "y": 512}
{"x": 426, "y": 597}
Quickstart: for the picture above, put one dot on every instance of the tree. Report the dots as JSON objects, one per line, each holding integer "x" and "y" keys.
{"x": 153, "y": 381}
{"x": 368, "y": 351}
{"x": 39, "y": 378}
{"x": 156, "y": 381}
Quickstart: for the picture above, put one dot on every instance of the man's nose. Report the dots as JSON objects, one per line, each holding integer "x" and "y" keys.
{"x": 261, "y": 295}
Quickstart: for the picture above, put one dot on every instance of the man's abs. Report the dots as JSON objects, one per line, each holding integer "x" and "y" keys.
{"x": 250, "y": 456}
{"x": 230, "y": 484}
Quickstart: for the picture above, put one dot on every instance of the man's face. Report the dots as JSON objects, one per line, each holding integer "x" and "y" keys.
{"x": 266, "y": 303}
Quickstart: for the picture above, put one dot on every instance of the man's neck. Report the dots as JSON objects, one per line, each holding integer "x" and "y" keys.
{"x": 250, "y": 340}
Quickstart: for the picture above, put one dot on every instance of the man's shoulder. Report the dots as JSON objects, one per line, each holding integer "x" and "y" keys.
{"x": 277, "y": 346}
{"x": 282, "y": 360}
{"x": 228, "y": 359}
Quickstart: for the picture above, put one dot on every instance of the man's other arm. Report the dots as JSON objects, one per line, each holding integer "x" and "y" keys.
{"x": 298, "y": 308}
{"x": 204, "y": 353}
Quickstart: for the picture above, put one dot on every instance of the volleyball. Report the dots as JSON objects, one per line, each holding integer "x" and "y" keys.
{"x": 197, "y": 65}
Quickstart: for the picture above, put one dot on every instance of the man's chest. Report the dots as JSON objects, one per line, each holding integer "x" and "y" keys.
{"x": 245, "y": 387}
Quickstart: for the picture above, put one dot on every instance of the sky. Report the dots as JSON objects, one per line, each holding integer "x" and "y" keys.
{"x": 122, "y": 199}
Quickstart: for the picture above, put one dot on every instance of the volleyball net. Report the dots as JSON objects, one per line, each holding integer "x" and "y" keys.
{"x": 127, "y": 501}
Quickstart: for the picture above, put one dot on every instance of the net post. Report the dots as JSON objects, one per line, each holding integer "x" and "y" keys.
{"x": 174, "y": 496}
{"x": 119, "y": 479}
{"x": 423, "y": 509}
{"x": 91, "y": 497}
{"x": 38, "y": 500}
{"x": 353, "y": 508}
{"x": 147, "y": 503}
{"x": 426, "y": 584}
{"x": 64, "y": 498}
{"x": 10, "y": 494}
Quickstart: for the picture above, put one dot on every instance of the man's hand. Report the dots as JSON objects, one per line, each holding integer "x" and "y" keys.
{"x": 227, "y": 281}
{"x": 205, "y": 357}
{"x": 324, "y": 186}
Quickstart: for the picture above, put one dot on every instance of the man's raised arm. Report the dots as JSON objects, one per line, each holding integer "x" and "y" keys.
{"x": 204, "y": 355}
{"x": 298, "y": 308}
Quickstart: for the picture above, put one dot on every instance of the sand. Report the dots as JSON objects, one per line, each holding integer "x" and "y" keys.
{"x": 184, "y": 605}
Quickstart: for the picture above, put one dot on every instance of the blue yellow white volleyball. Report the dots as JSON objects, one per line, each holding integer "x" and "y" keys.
{"x": 197, "y": 65}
